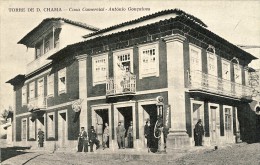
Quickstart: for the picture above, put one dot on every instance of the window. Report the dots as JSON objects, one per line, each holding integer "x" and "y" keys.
{"x": 99, "y": 69}
{"x": 51, "y": 125}
{"x": 40, "y": 87}
{"x": 149, "y": 60}
{"x": 237, "y": 74}
{"x": 24, "y": 129}
{"x": 24, "y": 95}
{"x": 50, "y": 86}
{"x": 62, "y": 81}
{"x": 32, "y": 90}
{"x": 225, "y": 70}
{"x": 31, "y": 128}
{"x": 56, "y": 41}
{"x": 46, "y": 46}
{"x": 195, "y": 59}
{"x": 212, "y": 64}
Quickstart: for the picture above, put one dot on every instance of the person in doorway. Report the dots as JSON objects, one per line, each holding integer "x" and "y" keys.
{"x": 83, "y": 140}
{"x": 93, "y": 139}
{"x": 40, "y": 137}
{"x": 147, "y": 134}
{"x": 120, "y": 133}
{"x": 105, "y": 136}
{"x": 130, "y": 135}
{"x": 198, "y": 133}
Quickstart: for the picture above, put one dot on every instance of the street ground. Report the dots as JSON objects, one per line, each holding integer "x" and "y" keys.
{"x": 243, "y": 153}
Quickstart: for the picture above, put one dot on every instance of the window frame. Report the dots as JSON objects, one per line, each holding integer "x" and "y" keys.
{"x": 62, "y": 73}
{"x": 52, "y": 134}
{"x": 50, "y": 90}
{"x": 32, "y": 84}
{"x": 96, "y": 80}
{"x": 197, "y": 49}
{"x": 24, "y": 95}
{"x": 38, "y": 87}
{"x": 224, "y": 61}
{"x": 215, "y": 63}
{"x": 235, "y": 66}
{"x": 141, "y": 49}
{"x": 22, "y": 129}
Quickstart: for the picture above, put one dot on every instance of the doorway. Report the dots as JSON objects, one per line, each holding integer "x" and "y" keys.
{"x": 62, "y": 128}
{"x": 125, "y": 115}
{"x": 101, "y": 117}
{"x": 197, "y": 113}
{"x": 215, "y": 124}
{"x": 228, "y": 124}
{"x": 150, "y": 112}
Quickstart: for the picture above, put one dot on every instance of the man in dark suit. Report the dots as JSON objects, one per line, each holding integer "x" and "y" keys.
{"x": 120, "y": 133}
{"x": 83, "y": 140}
{"x": 198, "y": 133}
{"x": 93, "y": 138}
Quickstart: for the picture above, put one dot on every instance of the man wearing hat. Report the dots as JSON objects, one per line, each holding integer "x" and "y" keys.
{"x": 120, "y": 133}
{"x": 83, "y": 140}
{"x": 93, "y": 139}
{"x": 198, "y": 133}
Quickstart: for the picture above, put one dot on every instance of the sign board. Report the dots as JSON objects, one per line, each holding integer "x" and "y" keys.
{"x": 167, "y": 116}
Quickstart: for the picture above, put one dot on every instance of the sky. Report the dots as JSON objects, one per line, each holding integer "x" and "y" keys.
{"x": 236, "y": 21}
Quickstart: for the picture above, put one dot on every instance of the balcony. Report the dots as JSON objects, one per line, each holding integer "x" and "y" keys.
{"x": 37, "y": 103}
{"x": 41, "y": 61}
{"x": 124, "y": 85}
{"x": 217, "y": 86}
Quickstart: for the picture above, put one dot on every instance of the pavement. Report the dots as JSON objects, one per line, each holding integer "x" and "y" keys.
{"x": 40, "y": 156}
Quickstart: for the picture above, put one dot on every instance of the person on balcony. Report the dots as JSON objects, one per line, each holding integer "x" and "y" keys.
{"x": 105, "y": 136}
{"x": 130, "y": 135}
{"x": 198, "y": 133}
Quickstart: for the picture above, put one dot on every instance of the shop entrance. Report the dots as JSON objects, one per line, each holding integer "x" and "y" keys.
{"x": 198, "y": 113}
{"x": 101, "y": 117}
{"x": 125, "y": 115}
{"x": 150, "y": 112}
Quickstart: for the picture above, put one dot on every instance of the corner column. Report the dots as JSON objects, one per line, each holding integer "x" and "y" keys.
{"x": 83, "y": 89}
{"x": 178, "y": 136}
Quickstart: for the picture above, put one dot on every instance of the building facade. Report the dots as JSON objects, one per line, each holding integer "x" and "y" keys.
{"x": 118, "y": 74}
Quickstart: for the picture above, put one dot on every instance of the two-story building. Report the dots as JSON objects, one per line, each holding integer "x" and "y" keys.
{"x": 117, "y": 74}
{"x": 43, "y": 95}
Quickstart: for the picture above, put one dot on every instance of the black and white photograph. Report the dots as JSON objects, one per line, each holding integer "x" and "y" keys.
{"x": 132, "y": 82}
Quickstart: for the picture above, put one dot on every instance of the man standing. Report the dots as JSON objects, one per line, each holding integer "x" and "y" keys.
{"x": 130, "y": 135}
{"x": 105, "y": 136}
{"x": 83, "y": 140}
{"x": 93, "y": 139}
{"x": 120, "y": 133}
{"x": 40, "y": 137}
{"x": 198, "y": 133}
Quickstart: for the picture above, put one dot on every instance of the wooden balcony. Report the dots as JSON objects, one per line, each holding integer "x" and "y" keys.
{"x": 208, "y": 83}
{"x": 124, "y": 85}
{"x": 37, "y": 103}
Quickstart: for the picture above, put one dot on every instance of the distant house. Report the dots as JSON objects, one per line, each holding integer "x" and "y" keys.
{"x": 118, "y": 74}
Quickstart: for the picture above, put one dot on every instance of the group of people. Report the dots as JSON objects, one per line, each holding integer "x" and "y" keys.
{"x": 120, "y": 133}
{"x": 89, "y": 139}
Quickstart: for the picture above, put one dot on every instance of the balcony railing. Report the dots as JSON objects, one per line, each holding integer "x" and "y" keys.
{"x": 121, "y": 85}
{"x": 213, "y": 84}
{"x": 37, "y": 103}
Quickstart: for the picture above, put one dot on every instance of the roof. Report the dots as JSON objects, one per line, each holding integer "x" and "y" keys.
{"x": 147, "y": 17}
{"x": 17, "y": 79}
{"x": 49, "y": 20}
{"x": 180, "y": 23}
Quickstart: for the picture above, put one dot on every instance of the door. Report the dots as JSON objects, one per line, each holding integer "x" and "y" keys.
{"x": 62, "y": 129}
{"x": 228, "y": 125}
{"x": 126, "y": 117}
{"x": 215, "y": 124}
{"x": 101, "y": 117}
{"x": 122, "y": 69}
